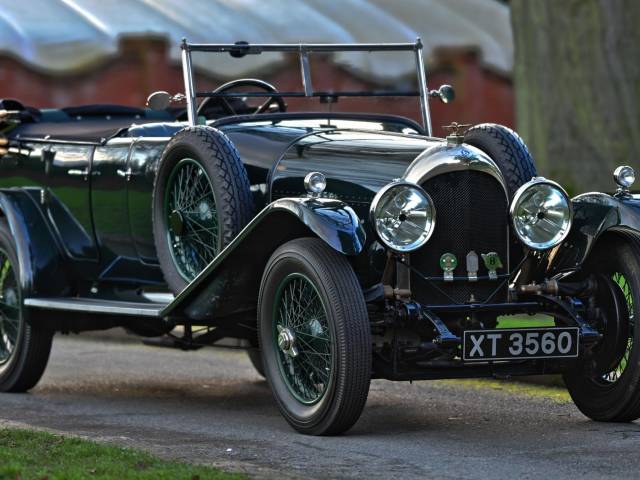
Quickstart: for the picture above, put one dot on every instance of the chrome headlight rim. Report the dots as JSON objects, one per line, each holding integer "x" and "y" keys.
{"x": 624, "y": 176}
{"x": 516, "y": 201}
{"x": 376, "y": 202}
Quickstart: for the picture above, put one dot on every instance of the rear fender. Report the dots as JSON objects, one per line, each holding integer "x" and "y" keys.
{"x": 230, "y": 283}
{"x": 42, "y": 269}
{"x": 594, "y": 215}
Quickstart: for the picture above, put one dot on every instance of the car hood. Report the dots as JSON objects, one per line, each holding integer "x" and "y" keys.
{"x": 356, "y": 163}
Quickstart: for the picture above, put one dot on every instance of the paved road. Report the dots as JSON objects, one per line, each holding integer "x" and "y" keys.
{"x": 210, "y": 407}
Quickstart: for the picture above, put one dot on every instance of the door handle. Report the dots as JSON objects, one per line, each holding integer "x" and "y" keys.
{"x": 74, "y": 172}
{"x": 78, "y": 173}
{"x": 128, "y": 173}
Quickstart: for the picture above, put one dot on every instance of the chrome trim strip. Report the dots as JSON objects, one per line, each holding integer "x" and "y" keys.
{"x": 424, "y": 91}
{"x": 90, "y": 305}
{"x": 162, "y": 298}
{"x": 445, "y": 158}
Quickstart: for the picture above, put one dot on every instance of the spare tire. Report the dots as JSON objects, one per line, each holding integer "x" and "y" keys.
{"x": 506, "y": 148}
{"x": 201, "y": 201}
{"x": 511, "y": 155}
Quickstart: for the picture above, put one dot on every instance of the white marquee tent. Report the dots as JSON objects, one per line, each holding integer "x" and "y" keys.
{"x": 67, "y": 35}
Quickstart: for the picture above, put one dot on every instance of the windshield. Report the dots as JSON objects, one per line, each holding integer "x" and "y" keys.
{"x": 398, "y": 70}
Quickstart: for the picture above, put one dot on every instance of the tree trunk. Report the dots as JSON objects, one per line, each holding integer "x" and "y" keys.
{"x": 577, "y": 79}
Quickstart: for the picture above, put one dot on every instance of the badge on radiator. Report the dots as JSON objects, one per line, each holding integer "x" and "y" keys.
{"x": 492, "y": 262}
{"x": 448, "y": 263}
{"x": 472, "y": 266}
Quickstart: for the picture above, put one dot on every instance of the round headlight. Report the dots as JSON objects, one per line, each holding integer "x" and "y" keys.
{"x": 624, "y": 176}
{"x": 403, "y": 215}
{"x": 541, "y": 213}
{"x": 315, "y": 183}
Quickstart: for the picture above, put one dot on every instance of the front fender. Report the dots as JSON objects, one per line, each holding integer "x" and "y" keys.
{"x": 41, "y": 267}
{"x": 594, "y": 215}
{"x": 331, "y": 220}
{"x": 230, "y": 283}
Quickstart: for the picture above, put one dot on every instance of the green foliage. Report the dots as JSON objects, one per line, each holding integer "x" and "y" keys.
{"x": 536, "y": 321}
{"x": 37, "y": 455}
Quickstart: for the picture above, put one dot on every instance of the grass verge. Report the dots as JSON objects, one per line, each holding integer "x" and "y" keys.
{"x": 26, "y": 454}
{"x": 555, "y": 394}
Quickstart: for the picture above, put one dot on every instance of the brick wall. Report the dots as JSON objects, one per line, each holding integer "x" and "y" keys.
{"x": 143, "y": 66}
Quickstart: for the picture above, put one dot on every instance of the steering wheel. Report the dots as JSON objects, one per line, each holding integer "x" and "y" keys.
{"x": 244, "y": 82}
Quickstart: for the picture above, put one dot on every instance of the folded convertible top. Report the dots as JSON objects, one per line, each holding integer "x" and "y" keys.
{"x": 86, "y": 124}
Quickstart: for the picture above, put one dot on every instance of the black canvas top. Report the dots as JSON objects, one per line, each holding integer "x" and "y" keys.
{"x": 89, "y": 123}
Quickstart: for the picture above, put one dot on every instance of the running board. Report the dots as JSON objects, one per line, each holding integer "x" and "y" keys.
{"x": 92, "y": 305}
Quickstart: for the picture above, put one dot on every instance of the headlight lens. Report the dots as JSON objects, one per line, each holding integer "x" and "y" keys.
{"x": 315, "y": 183}
{"x": 624, "y": 176}
{"x": 541, "y": 213}
{"x": 403, "y": 215}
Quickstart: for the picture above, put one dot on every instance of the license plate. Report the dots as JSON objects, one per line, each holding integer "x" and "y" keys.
{"x": 523, "y": 343}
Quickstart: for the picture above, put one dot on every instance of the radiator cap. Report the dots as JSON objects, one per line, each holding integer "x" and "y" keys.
{"x": 456, "y": 137}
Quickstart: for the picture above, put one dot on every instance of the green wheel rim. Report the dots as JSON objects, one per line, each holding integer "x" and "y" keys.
{"x": 614, "y": 375}
{"x": 303, "y": 339}
{"x": 191, "y": 217}
{"x": 10, "y": 309}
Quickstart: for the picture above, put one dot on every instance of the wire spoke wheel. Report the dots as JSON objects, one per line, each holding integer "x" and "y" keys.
{"x": 302, "y": 339}
{"x": 605, "y": 386}
{"x": 314, "y": 334}
{"x": 201, "y": 201}
{"x": 192, "y": 217}
{"x": 11, "y": 324}
{"x": 615, "y": 374}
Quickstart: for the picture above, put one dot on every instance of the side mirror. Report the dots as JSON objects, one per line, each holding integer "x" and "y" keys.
{"x": 445, "y": 93}
{"x": 159, "y": 100}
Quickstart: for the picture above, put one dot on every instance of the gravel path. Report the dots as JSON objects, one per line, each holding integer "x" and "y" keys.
{"x": 210, "y": 407}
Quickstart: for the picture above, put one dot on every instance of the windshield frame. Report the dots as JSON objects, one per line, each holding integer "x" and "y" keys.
{"x": 241, "y": 49}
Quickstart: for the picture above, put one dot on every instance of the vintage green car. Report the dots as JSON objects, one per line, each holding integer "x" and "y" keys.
{"x": 337, "y": 247}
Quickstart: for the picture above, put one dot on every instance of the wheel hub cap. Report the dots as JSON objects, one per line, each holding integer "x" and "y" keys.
{"x": 205, "y": 212}
{"x": 287, "y": 341}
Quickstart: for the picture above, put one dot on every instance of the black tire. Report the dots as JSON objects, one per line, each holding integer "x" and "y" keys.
{"x": 336, "y": 286}
{"x": 506, "y": 148}
{"x": 23, "y": 367}
{"x": 255, "y": 356}
{"x": 211, "y": 151}
{"x": 608, "y": 387}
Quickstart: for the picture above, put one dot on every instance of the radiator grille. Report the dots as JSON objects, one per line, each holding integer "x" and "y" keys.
{"x": 471, "y": 214}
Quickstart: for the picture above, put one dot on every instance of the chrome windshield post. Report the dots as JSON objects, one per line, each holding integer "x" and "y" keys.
{"x": 306, "y": 72}
{"x": 422, "y": 88}
{"x": 187, "y": 72}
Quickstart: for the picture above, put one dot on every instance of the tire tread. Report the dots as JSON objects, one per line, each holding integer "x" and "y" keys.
{"x": 234, "y": 202}
{"x": 507, "y": 149}
{"x": 620, "y": 409}
{"x": 35, "y": 346}
{"x": 345, "y": 294}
